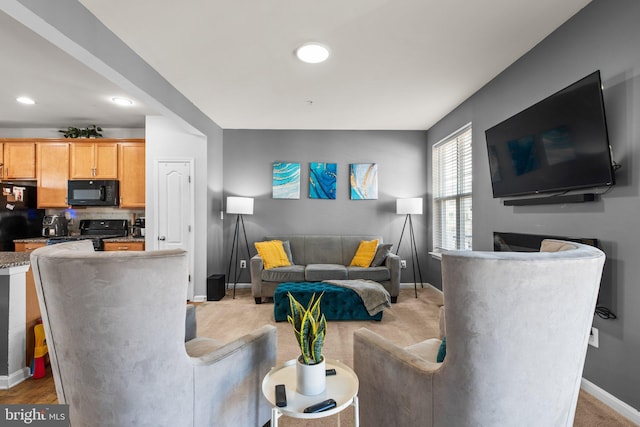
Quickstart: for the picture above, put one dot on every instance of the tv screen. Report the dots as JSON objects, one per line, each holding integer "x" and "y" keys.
{"x": 558, "y": 144}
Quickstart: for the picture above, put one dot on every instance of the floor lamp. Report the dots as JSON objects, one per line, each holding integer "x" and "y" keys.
{"x": 240, "y": 206}
{"x": 408, "y": 207}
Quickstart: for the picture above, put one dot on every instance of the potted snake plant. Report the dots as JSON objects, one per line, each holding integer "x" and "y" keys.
{"x": 309, "y": 327}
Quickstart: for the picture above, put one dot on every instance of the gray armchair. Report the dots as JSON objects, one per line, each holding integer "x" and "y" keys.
{"x": 517, "y": 330}
{"x": 115, "y": 329}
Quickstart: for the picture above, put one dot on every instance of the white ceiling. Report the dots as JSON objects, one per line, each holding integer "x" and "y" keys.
{"x": 400, "y": 64}
{"x": 67, "y": 93}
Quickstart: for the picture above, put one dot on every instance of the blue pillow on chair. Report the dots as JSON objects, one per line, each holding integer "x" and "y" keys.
{"x": 442, "y": 351}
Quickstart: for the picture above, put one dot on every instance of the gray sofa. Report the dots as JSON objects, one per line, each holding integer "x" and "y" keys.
{"x": 322, "y": 257}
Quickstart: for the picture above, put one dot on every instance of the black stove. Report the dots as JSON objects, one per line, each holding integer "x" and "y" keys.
{"x": 97, "y": 230}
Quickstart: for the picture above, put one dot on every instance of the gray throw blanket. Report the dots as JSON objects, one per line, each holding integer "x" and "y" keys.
{"x": 374, "y": 296}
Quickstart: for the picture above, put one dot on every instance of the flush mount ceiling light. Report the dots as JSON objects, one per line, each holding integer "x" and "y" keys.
{"x": 122, "y": 101}
{"x": 312, "y": 53}
{"x": 25, "y": 100}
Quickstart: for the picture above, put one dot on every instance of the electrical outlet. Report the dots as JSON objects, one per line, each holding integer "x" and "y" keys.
{"x": 403, "y": 263}
{"x": 243, "y": 263}
{"x": 593, "y": 338}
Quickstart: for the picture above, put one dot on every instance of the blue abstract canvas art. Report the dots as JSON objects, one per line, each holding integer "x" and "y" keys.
{"x": 286, "y": 180}
{"x": 364, "y": 181}
{"x": 322, "y": 180}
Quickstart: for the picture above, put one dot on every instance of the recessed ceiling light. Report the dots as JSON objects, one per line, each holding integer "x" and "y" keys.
{"x": 122, "y": 101}
{"x": 25, "y": 100}
{"x": 312, "y": 53}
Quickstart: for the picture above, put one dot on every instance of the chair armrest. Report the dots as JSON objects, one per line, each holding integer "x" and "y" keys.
{"x": 228, "y": 381}
{"x": 390, "y": 374}
{"x": 393, "y": 264}
{"x": 261, "y": 337}
{"x": 442, "y": 323}
{"x": 256, "y": 266}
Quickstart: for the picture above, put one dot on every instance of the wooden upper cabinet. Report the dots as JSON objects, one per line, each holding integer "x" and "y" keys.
{"x": 53, "y": 173}
{"x": 19, "y": 160}
{"x": 97, "y": 160}
{"x": 131, "y": 173}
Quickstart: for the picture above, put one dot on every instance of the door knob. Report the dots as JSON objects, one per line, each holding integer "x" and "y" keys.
{"x": 162, "y": 238}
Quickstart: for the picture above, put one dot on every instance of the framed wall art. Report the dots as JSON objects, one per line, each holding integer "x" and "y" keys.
{"x": 286, "y": 180}
{"x": 364, "y": 181}
{"x": 322, "y": 180}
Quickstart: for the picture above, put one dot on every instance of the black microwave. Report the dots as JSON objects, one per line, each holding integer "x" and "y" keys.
{"x": 93, "y": 192}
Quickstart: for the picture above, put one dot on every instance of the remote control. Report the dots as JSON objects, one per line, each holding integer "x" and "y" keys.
{"x": 330, "y": 372}
{"x": 281, "y": 396}
{"x": 322, "y": 406}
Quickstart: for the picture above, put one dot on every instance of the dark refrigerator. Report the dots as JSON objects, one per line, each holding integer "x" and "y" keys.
{"x": 19, "y": 216}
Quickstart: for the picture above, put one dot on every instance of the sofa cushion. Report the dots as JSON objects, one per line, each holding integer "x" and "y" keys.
{"x": 272, "y": 254}
{"x": 377, "y": 274}
{"x": 365, "y": 253}
{"x": 286, "y": 245}
{"x": 322, "y": 249}
{"x": 381, "y": 254}
{"x": 291, "y": 273}
{"x": 320, "y": 272}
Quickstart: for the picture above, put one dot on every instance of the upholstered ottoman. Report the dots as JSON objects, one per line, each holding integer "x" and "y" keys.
{"x": 337, "y": 303}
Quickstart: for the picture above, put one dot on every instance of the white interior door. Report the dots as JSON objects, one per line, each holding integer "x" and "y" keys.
{"x": 175, "y": 207}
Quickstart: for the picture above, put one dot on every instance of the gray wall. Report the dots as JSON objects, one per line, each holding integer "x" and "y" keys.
{"x": 603, "y": 36}
{"x": 400, "y": 156}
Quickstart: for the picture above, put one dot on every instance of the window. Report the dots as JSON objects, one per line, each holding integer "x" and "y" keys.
{"x": 452, "y": 183}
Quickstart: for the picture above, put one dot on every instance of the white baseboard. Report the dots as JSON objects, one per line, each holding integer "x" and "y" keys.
{"x": 411, "y": 285}
{"x": 202, "y": 298}
{"x": 8, "y": 381}
{"x": 611, "y": 401}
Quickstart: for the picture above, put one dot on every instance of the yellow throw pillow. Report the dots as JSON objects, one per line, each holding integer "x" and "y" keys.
{"x": 272, "y": 254}
{"x": 365, "y": 253}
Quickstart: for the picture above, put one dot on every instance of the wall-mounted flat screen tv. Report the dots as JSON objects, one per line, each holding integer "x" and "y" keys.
{"x": 559, "y": 144}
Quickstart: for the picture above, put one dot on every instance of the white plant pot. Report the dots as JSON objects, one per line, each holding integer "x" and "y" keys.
{"x": 310, "y": 379}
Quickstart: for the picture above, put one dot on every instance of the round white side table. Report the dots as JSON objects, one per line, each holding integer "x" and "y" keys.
{"x": 342, "y": 387}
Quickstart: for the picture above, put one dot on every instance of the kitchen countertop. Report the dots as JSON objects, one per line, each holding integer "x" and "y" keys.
{"x": 14, "y": 259}
{"x": 126, "y": 239}
{"x": 31, "y": 240}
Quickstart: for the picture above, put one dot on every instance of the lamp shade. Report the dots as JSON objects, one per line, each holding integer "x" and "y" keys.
{"x": 240, "y": 205}
{"x": 409, "y": 206}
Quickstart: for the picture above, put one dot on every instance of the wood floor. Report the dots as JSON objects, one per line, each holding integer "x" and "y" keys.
{"x": 409, "y": 321}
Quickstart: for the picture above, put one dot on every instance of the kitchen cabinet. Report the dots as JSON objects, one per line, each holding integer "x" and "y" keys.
{"x": 89, "y": 160}
{"x": 124, "y": 246}
{"x": 19, "y": 160}
{"x": 52, "y": 174}
{"x": 28, "y": 247}
{"x": 131, "y": 173}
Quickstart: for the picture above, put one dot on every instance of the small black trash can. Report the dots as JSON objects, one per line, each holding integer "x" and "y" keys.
{"x": 215, "y": 287}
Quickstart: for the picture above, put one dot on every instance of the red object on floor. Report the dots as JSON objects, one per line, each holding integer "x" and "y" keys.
{"x": 38, "y": 368}
{"x": 39, "y": 352}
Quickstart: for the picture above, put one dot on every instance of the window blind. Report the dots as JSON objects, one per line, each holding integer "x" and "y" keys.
{"x": 452, "y": 186}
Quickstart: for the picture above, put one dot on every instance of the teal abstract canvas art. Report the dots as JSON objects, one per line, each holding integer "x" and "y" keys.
{"x": 286, "y": 180}
{"x": 364, "y": 181}
{"x": 322, "y": 180}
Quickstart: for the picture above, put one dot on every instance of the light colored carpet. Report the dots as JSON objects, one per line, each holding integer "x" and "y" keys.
{"x": 409, "y": 321}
